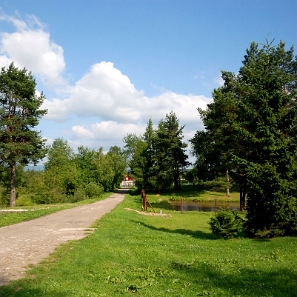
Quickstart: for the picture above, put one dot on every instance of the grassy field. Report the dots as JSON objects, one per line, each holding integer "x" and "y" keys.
{"x": 137, "y": 255}
{"x": 19, "y": 214}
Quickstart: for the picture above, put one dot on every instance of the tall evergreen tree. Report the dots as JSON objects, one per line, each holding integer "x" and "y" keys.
{"x": 19, "y": 115}
{"x": 169, "y": 152}
{"x": 260, "y": 112}
{"x": 149, "y": 138}
{"x": 142, "y": 162}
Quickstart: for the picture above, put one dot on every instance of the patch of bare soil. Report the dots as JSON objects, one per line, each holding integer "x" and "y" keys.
{"x": 154, "y": 214}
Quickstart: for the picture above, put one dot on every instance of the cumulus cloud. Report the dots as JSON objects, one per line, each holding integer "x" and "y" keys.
{"x": 106, "y": 93}
{"x": 106, "y": 130}
{"x": 105, "y": 134}
{"x": 30, "y": 46}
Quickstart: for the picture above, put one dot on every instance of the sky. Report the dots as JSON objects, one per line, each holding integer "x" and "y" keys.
{"x": 107, "y": 66}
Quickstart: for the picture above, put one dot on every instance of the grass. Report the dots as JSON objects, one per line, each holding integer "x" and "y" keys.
{"x": 32, "y": 212}
{"x": 194, "y": 193}
{"x": 136, "y": 255}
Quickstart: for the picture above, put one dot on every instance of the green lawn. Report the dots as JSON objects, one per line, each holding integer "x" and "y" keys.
{"x": 135, "y": 255}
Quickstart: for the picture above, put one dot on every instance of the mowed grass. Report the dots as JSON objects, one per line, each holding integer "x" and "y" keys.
{"x": 136, "y": 255}
{"x": 194, "y": 193}
{"x": 19, "y": 214}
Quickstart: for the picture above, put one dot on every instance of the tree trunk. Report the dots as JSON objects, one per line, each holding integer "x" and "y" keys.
{"x": 176, "y": 183}
{"x": 242, "y": 197}
{"x": 227, "y": 178}
{"x": 13, "y": 185}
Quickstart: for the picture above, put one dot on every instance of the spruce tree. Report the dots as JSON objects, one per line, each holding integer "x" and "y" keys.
{"x": 170, "y": 156}
{"x": 266, "y": 126}
{"x": 19, "y": 115}
{"x": 251, "y": 124}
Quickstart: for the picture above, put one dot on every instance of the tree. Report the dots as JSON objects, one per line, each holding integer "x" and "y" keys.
{"x": 19, "y": 115}
{"x": 261, "y": 115}
{"x": 118, "y": 164}
{"x": 169, "y": 152}
{"x": 213, "y": 147}
{"x": 86, "y": 162}
{"x": 104, "y": 170}
{"x": 62, "y": 174}
{"x": 141, "y": 162}
{"x": 131, "y": 143}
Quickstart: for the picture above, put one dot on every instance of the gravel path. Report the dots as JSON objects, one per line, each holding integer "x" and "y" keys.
{"x": 29, "y": 242}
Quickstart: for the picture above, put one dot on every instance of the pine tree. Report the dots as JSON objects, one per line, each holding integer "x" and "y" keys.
{"x": 19, "y": 115}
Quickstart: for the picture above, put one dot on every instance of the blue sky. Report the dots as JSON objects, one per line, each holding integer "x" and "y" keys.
{"x": 106, "y": 67}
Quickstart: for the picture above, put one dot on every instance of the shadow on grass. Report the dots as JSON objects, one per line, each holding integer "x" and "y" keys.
{"x": 195, "y": 234}
{"x": 22, "y": 289}
{"x": 240, "y": 281}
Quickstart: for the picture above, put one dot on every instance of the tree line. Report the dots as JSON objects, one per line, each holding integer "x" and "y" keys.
{"x": 69, "y": 176}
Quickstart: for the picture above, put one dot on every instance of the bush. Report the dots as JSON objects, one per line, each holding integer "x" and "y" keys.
{"x": 226, "y": 224}
{"x": 217, "y": 185}
{"x": 93, "y": 190}
{"x": 79, "y": 195}
{"x": 24, "y": 201}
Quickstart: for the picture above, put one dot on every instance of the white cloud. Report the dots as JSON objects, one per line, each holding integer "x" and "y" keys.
{"x": 30, "y": 47}
{"x": 105, "y": 134}
{"x": 106, "y": 130}
{"x": 106, "y": 93}
{"x": 57, "y": 109}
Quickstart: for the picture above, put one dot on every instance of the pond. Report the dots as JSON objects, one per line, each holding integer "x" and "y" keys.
{"x": 204, "y": 206}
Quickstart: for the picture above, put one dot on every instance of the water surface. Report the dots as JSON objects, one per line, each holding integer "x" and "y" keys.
{"x": 204, "y": 206}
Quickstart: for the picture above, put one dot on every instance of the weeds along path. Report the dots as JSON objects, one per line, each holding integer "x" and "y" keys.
{"x": 29, "y": 242}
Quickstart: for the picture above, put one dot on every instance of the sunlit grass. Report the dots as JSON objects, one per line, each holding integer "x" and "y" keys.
{"x": 135, "y": 255}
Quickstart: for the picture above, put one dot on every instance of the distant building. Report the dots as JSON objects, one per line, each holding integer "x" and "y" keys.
{"x": 127, "y": 182}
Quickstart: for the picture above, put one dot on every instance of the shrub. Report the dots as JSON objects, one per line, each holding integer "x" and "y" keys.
{"x": 79, "y": 195}
{"x": 24, "y": 201}
{"x": 217, "y": 185}
{"x": 94, "y": 190}
{"x": 226, "y": 224}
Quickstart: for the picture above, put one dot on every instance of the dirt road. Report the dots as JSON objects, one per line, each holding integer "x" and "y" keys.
{"x": 29, "y": 242}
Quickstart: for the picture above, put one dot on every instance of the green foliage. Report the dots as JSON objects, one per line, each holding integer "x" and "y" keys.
{"x": 218, "y": 185}
{"x": 170, "y": 157}
{"x": 70, "y": 177}
{"x": 258, "y": 106}
{"x": 19, "y": 115}
{"x": 78, "y": 195}
{"x": 158, "y": 158}
{"x": 226, "y": 224}
{"x": 93, "y": 190}
{"x": 110, "y": 168}
{"x": 24, "y": 201}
